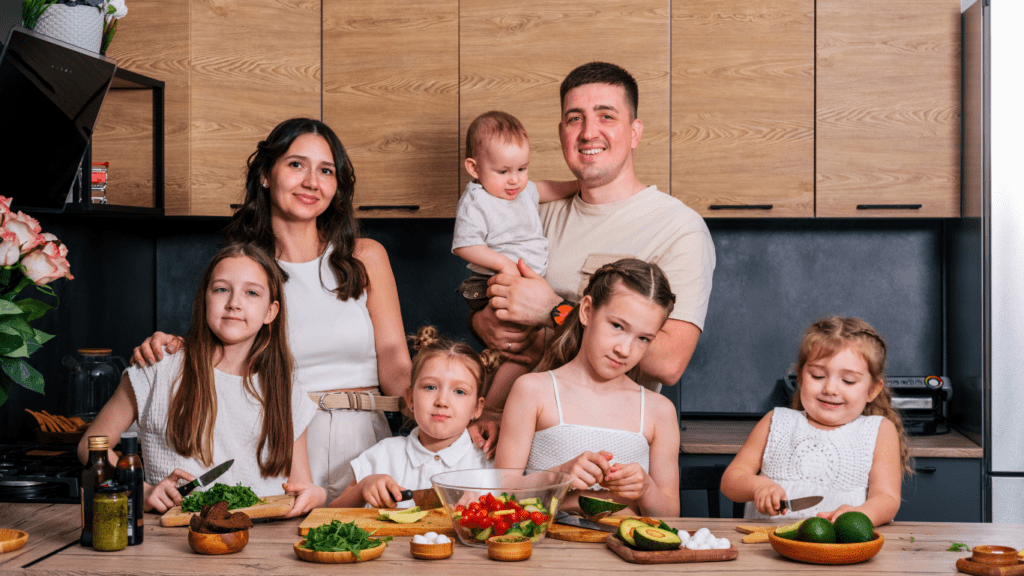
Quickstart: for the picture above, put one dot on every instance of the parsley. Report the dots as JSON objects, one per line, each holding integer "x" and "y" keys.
{"x": 911, "y": 539}
{"x": 958, "y": 547}
{"x": 338, "y": 537}
{"x": 236, "y": 496}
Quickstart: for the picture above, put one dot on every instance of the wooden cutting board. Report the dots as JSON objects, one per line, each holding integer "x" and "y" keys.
{"x": 436, "y": 520}
{"x": 669, "y": 556}
{"x": 971, "y": 567}
{"x": 577, "y": 534}
{"x": 271, "y": 507}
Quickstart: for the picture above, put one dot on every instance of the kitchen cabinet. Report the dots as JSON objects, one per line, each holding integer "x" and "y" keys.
{"x": 942, "y": 490}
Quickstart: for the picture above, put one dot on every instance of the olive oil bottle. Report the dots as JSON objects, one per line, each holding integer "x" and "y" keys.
{"x": 130, "y": 473}
{"x": 97, "y": 471}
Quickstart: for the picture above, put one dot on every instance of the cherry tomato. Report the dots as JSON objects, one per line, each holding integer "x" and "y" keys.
{"x": 538, "y": 518}
{"x": 474, "y": 506}
{"x": 460, "y": 508}
{"x": 466, "y": 521}
{"x": 500, "y": 527}
{"x": 486, "y": 522}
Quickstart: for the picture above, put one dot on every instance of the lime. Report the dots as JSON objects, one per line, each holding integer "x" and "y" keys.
{"x": 818, "y": 530}
{"x": 852, "y": 527}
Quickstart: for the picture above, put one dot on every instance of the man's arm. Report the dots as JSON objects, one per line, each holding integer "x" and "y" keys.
{"x": 670, "y": 353}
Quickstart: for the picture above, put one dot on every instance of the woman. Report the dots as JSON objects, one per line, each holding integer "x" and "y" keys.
{"x": 344, "y": 325}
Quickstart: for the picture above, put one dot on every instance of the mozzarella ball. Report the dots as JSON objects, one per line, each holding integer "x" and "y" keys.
{"x": 704, "y": 546}
{"x": 722, "y": 544}
{"x": 692, "y": 544}
{"x": 702, "y": 533}
{"x": 418, "y": 539}
{"x": 441, "y": 539}
{"x": 432, "y": 536}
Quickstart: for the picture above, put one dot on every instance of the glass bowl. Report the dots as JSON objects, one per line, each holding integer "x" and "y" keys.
{"x": 500, "y": 501}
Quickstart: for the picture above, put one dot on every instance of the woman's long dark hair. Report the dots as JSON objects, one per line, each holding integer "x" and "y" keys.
{"x": 337, "y": 225}
{"x": 193, "y": 407}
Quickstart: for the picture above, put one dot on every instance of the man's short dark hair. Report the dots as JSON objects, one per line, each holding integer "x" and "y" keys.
{"x": 603, "y": 73}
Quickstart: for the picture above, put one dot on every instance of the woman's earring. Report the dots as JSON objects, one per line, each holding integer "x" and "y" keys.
{"x": 265, "y": 185}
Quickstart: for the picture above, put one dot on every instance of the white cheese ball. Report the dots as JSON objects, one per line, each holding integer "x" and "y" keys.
{"x": 441, "y": 539}
{"x": 684, "y": 536}
{"x": 432, "y": 536}
{"x": 704, "y": 546}
{"x": 418, "y": 539}
{"x": 722, "y": 544}
{"x": 692, "y": 544}
{"x": 702, "y": 533}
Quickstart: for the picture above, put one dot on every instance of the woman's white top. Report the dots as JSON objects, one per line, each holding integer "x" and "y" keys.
{"x": 411, "y": 465}
{"x": 331, "y": 340}
{"x": 808, "y": 461}
{"x": 236, "y": 431}
{"x": 563, "y": 442}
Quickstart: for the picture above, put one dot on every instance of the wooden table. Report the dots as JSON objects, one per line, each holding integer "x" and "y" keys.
{"x": 910, "y": 548}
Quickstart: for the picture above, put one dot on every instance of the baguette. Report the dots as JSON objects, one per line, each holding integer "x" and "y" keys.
{"x": 43, "y": 425}
{"x": 60, "y": 422}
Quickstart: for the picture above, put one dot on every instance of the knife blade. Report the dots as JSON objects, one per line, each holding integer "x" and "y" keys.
{"x": 800, "y": 503}
{"x": 570, "y": 520}
{"x": 205, "y": 479}
{"x": 426, "y": 499}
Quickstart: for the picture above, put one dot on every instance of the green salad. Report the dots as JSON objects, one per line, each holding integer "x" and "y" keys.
{"x": 338, "y": 537}
{"x": 236, "y": 496}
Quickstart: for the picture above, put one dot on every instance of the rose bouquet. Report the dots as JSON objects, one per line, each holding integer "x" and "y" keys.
{"x": 28, "y": 257}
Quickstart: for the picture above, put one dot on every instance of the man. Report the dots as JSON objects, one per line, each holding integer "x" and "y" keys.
{"x": 613, "y": 216}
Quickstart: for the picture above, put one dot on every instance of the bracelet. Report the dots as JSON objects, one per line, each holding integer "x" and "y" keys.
{"x": 560, "y": 312}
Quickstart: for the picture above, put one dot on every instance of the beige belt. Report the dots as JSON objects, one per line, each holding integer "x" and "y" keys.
{"x": 356, "y": 400}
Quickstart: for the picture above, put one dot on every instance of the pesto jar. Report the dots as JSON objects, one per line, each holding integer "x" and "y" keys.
{"x": 110, "y": 517}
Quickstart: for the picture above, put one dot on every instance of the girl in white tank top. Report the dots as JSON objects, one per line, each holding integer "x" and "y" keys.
{"x": 581, "y": 417}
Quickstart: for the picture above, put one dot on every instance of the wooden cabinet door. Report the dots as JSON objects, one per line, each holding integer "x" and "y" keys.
{"x": 391, "y": 71}
{"x": 254, "y": 63}
{"x": 514, "y": 55}
{"x": 743, "y": 107}
{"x": 888, "y": 110}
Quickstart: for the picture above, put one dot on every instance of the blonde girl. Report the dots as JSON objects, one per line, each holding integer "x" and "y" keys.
{"x": 227, "y": 394}
{"x": 449, "y": 384}
{"x": 586, "y": 415}
{"x": 841, "y": 439}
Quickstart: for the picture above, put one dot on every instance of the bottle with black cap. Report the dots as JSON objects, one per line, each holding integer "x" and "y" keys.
{"x": 130, "y": 473}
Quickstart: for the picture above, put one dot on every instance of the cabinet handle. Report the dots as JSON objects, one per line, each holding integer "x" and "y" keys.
{"x": 384, "y": 207}
{"x": 925, "y": 470}
{"x": 740, "y": 207}
{"x": 888, "y": 206}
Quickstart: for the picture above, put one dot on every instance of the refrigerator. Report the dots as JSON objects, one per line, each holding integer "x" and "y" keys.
{"x": 985, "y": 255}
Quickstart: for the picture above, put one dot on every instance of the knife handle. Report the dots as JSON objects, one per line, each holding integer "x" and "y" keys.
{"x": 406, "y": 495}
{"x": 187, "y": 489}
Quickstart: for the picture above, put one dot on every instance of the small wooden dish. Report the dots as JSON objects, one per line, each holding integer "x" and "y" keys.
{"x": 11, "y": 540}
{"x": 432, "y": 551}
{"x": 826, "y": 553}
{"x": 227, "y": 543}
{"x": 337, "y": 557}
{"x": 994, "y": 555}
{"x": 509, "y": 548}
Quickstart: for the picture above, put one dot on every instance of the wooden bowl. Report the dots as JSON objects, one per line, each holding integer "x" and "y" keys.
{"x": 228, "y": 543}
{"x": 826, "y": 553}
{"x": 509, "y": 548}
{"x": 11, "y": 540}
{"x": 336, "y": 557}
{"x": 432, "y": 551}
{"x": 994, "y": 555}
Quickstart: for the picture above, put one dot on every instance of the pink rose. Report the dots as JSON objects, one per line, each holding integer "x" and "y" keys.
{"x": 10, "y": 248}
{"x": 27, "y": 228}
{"x": 5, "y": 205}
{"x": 48, "y": 263}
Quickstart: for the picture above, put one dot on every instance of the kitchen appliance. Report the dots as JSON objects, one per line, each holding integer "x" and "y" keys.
{"x": 985, "y": 262}
{"x": 39, "y": 473}
{"x": 93, "y": 376}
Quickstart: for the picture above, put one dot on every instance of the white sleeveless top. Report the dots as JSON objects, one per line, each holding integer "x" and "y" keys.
{"x": 331, "y": 340}
{"x": 563, "y": 442}
{"x": 808, "y": 461}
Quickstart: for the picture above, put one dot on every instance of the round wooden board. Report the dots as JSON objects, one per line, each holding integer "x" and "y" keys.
{"x": 577, "y": 534}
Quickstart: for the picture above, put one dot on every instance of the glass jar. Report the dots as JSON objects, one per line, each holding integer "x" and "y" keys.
{"x": 110, "y": 517}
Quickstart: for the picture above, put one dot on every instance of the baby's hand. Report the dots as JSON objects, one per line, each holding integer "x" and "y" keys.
{"x": 380, "y": 491}
{"x": 768, "y": 498}
{"x": 626, "y": 480}
{"x": 510, "y": 268}
{"x": 587, "y": 469}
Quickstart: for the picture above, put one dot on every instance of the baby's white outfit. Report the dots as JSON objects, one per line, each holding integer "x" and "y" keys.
{"x": 808, "y": 461}
{"x": 411, "y": 465}
{"x": 563, "y": 442}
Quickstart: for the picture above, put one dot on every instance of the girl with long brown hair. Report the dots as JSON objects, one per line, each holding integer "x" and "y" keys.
{"x": 227, "y": 394}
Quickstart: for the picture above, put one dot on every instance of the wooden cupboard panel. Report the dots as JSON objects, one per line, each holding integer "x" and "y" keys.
{"x": 743, "y": 107}
{"x": 153, "y": 40}
{"x": 254, "y": 64}
{"x": 888, "y": 110}
{"x": 514, "y": 56}
{"x": 391, "y": 93}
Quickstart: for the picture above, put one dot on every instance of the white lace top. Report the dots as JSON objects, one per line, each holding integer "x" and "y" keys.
{"x": 807, "y": 461}
{"x": 563, "y": 442}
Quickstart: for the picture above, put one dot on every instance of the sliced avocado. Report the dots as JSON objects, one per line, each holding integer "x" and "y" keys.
{"x": 655, "y": 539}
{"x": 484, "y": 534}
{"x": 627, "y": 527}
{"x": 403, "y": 517}
{"x": 790, "y": 531}
{"x": 591, "y": 506}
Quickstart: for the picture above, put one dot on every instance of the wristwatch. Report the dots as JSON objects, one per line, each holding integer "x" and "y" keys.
{"x": 560, "y": 312}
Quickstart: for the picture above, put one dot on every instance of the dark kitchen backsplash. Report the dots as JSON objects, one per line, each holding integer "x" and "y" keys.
{"x": 772, "y": 279}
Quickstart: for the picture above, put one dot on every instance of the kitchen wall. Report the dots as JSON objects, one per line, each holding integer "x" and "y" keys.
{"x": 772, "y": 279}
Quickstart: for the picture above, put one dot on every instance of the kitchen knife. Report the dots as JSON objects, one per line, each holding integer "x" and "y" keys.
{"x": 800, "y": 503}
{"x": 204, "y": 480}
{"x": 426, "y": 499}
{"x": 570, "y": 520}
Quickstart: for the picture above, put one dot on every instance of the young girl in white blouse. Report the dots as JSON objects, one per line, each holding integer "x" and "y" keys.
{"x": 227, "y": 394}
{"x": 449, "y": 383}
{"x": 586, "y": 415}
{"x": 842, "y": 439}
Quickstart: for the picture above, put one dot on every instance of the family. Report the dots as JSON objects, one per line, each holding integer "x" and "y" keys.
{"x": 588, "y": 296}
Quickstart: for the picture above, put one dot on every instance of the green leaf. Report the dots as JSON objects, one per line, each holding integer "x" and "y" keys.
{"x": 236, "y": 496}
{"x": 23, "y": 374}
{"x": 7, "y": 308}
{"x": 19, "y": 325}
{"x": 339, "y": 537}
{"x": 10, "y": 342}
{"x": 33, "y": 308}
{"x": 42, "y": 337}
{"x": 3, "y": 390}
{"x": 19, "y": 352}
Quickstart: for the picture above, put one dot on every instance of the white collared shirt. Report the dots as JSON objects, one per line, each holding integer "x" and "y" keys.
{"x": 411, "y": 465}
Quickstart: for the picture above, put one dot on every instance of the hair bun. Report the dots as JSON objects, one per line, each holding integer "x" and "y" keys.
{"x": 425, "y": 336}
{"x": 491, "y": 359}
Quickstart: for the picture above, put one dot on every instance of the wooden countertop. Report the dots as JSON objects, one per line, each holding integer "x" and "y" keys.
{"x": 910, "y": 548}
{"x": 728, "y": 436}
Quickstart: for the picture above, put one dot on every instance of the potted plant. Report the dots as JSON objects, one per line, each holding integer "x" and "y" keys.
{"x": 88, "y": 24}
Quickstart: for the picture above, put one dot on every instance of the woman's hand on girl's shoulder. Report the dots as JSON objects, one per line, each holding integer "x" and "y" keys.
{"x": 151, "y": 350}
{"x": 307, "y": 497}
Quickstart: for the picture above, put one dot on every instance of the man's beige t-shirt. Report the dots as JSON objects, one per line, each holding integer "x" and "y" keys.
{"x": 649, "y": 225}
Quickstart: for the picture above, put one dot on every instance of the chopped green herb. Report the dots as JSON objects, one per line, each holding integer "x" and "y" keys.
{"x": 338, "y": 537}
{"x": 958, "y": 547}
{"x": 236, "y": 496}
{"x": 911, "y": 538}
